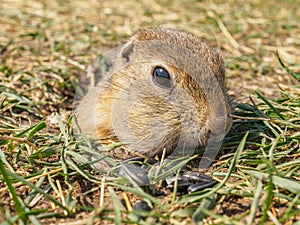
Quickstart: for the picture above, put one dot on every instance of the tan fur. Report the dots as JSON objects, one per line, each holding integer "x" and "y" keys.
{"x": 128, "y": 107}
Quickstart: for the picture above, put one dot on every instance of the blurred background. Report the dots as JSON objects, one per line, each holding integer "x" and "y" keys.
{"x": 32, "y": 33}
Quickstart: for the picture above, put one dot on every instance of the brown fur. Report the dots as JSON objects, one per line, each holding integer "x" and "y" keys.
{"x": 128, "y": 107}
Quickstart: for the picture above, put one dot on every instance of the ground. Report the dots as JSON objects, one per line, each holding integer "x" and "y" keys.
{"x": 46, "y": 46}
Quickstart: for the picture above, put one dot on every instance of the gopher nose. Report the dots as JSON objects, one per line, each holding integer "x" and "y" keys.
{"x": 219, "y": 128}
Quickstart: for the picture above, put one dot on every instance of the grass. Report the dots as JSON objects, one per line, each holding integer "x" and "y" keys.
{"x": 46, "y": 177}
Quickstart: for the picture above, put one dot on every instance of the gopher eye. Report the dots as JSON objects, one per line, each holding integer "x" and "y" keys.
{"x": 162, "y": 77}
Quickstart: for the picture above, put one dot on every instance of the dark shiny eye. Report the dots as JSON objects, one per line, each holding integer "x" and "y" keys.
{"x": 161, "y": 77}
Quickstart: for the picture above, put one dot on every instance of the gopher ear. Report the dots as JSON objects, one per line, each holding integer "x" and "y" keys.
{"x": 127, "y": 50}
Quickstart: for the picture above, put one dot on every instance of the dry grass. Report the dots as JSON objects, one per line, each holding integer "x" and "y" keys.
{"x": 45, "y": 46}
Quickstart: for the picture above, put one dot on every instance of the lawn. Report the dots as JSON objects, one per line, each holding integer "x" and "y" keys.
{"x": 45, "y": 175}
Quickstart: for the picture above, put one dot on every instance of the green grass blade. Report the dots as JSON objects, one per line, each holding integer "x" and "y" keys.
{"x": 33, "y": 193}
{"x": 62, "y": 129}
{"x": 10, "y": 220}
{"x": 139, "y": 192}
{"x": 232, "y": 166}
{"x": 269, "y": 104}
{"x": 291, "y": 206}
{"x": 33, "y": 129}
{"x": 255, "y": 203}
{"x": 295, "y": 75}
{"x": 208, "y": 203}
{"x": 288, "y": 184}
{"x": 3, "y": 159}
{"x": 182, "y": 162}
{"x": 37, "y": 189}
{"x": 268, "y": 201}
{"x": 84, "y": 174}
{"x": 37, "y": 127}
{"x": 14, "y": 195}
{"x": 117, "y": 206}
